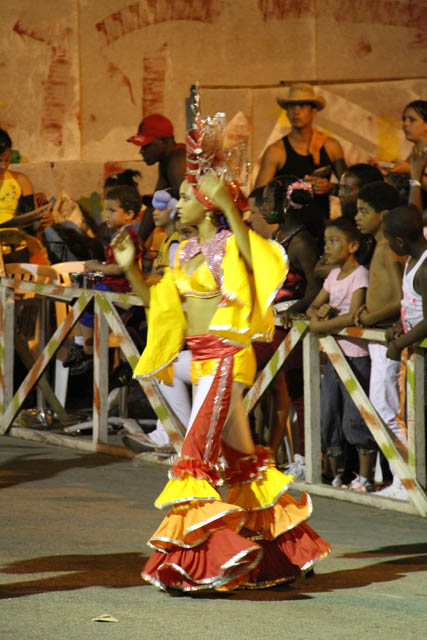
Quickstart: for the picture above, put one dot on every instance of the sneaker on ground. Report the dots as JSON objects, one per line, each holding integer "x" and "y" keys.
{"x": 337, "y": 481}
{"x": 361, "y": 484}
{"x": 138, "y": 442}
{"x": 74, "y": 355}
{"x": 297, "y": 467}
{"x": 395, "y": 490}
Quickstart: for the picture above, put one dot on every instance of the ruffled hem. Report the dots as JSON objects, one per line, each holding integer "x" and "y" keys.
{"x": 190, "y": 525}
{"x": 186, "y": 489}
{"x": 224, "y": 559}
{"x": 285, "y": 558}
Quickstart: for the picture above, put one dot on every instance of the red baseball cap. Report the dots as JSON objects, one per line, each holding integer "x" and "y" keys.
{"x": 152, "y": 127}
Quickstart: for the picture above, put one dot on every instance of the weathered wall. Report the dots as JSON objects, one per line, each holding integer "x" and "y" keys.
{"x": 78, "y": 75}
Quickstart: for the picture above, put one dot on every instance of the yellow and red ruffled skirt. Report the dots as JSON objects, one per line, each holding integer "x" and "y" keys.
{"x": 256, "y": 538}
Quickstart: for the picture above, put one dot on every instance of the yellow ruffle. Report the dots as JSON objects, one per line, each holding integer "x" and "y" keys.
{"x": 189, "y": 525}
{"x": 260, "y": 494}
{"x": 271, "y": 510}
{"x": 287, "y": 513}
{"x": 186, "y": 489}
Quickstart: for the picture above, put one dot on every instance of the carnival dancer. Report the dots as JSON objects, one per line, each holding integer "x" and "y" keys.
{"x": 227, "y": 279}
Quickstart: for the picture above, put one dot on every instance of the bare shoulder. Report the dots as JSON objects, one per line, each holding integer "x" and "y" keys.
{"x": 333, "y": 148}
{"x": 23, "y": 181}
{"x": 273, "y": 157}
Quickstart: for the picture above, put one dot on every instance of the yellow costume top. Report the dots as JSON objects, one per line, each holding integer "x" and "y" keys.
{"x": 244, "y": 312}
{"x": 10, "y": 192}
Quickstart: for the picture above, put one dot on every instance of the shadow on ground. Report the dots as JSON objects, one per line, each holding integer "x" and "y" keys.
{"x": 117, "y": 571}
{"x": 31, "y": 467}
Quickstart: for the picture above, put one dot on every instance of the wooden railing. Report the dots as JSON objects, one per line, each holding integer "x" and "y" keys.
{"x": 410, "y": 468}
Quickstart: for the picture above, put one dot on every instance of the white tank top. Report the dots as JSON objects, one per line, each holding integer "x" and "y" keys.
{"x": 411, "y": 303}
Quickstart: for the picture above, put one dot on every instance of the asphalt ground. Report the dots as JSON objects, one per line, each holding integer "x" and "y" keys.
{"x": 73, "y": 532}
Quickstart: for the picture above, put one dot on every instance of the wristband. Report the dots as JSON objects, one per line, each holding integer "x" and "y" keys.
{"x": 414, "y": 183}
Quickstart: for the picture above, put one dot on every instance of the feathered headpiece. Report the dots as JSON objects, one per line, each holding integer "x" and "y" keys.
{"x": 206, "y": 152}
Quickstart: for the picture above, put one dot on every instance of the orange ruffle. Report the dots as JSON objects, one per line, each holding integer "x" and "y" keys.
{"x": 190, "y": 524}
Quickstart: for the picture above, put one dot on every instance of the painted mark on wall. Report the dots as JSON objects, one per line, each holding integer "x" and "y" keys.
{"x": 58, "y": 86}
{"x": 123, "y": 78}
{"x": 285, "y": 9}
{"x": 142, "y": 14}
{"x": 153, "y": 81}
{"x": 409, "y": 14}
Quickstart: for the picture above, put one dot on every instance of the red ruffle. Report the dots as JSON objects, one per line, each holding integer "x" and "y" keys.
{"x": 285, "y": 557}
{"x": 245, "y": 468}
{"x": 225, "y": 558}
{"x": 196, "y": 468}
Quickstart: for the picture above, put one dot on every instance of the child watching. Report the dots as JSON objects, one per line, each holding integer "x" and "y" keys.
{"x": 403, "y": 229}
{"x": 333, "y": 309}
{"x": 122, "y": 205}
{"x": 164, "y": 215}
{"x": 382, "y": 306}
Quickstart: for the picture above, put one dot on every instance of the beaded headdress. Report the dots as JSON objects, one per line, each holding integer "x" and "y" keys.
{"x": 206, "y": 153}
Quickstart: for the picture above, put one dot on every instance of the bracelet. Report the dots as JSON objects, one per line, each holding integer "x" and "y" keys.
{"x": 414, "y": 183}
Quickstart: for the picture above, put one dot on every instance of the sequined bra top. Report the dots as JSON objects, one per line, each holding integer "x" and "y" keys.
{"x": 205, "y": 281}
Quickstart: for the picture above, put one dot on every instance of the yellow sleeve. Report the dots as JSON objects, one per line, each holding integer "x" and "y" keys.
{"x": 166, "y": 331}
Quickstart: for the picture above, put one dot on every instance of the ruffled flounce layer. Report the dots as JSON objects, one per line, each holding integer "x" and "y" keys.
{"x": 256, "y": 538}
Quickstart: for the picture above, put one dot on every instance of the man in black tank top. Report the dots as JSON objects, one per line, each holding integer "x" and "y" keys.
{"x": 306, "y": 153}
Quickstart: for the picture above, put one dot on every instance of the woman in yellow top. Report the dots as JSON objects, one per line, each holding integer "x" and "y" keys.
{"x": 227, "y": 279}
{"x": 13, "y": 185}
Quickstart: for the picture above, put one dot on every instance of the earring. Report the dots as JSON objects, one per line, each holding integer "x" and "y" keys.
{"x": 208, "y": 216}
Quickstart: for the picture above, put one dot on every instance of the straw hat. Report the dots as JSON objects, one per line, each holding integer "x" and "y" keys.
{"x": 302, "y": 92}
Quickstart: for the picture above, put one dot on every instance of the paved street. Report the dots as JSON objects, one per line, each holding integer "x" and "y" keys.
{"x": 73, "y": 533}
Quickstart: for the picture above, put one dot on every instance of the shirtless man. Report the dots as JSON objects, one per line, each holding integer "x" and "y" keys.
{"x": 306, "y": 153}
{"x": 155, "y": 137}
{"x": 382, "y": 306}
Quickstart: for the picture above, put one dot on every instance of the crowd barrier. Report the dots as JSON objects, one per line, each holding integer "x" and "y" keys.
{"x": 409, "y": 465}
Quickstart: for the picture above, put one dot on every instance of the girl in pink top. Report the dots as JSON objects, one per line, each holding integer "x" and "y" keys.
{"x": 343, "y": 291}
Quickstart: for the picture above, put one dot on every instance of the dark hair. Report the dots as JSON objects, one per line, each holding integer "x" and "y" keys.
{"x": 419, "y": 106}
{"x": 347, "y": 226}
{"x": 405, "y": 221}
{"x": 299, "y": 196}
{"x": 128, "y": 198}
{"x": 127, "y": 177}
{"x": 5, "y": 141}
{"x": 380, "y": 196}
{"x": 257, "y": 193}
{"x": 365, "y": 173}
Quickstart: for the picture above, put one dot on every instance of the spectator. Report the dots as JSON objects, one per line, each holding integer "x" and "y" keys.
{"x": 333, "y": 309}
{"x": 403, "y": 229}
{"x": 382, "y": 304}
{"x": 16, "y": 191}
{"x": 351, "y": 181}
{"x": 306, "y": 153}
{"x": 122, "y": 205}
{"x": 298, "y": 291}
{"x": 155, "y": 137}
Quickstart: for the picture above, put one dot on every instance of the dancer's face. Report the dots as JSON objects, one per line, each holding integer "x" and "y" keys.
{"x": 190, "y": 210}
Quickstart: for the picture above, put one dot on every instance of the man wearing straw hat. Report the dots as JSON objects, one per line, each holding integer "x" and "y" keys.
{"x": 305, "y": 152}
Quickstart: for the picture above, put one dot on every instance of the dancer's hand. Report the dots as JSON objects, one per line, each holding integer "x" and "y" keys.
{"x": 217, "y": 191}
{"x": 124, "y": 250}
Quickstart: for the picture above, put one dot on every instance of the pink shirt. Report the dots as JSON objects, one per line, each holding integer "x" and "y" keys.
{"x": 340, "y": 293}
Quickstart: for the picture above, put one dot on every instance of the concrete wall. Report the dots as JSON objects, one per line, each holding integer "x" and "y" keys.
{"x": 76, "y": 76}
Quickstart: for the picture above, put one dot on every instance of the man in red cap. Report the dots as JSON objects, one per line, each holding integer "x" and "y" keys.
{"x": 155, "y": 137}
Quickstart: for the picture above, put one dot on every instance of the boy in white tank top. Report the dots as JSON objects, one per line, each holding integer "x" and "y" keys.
{"x": 403, "y": 228}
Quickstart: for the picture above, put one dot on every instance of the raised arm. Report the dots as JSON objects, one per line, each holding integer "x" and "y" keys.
{"x": 219, "y": 194}
{"x": 124, "y": 252}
